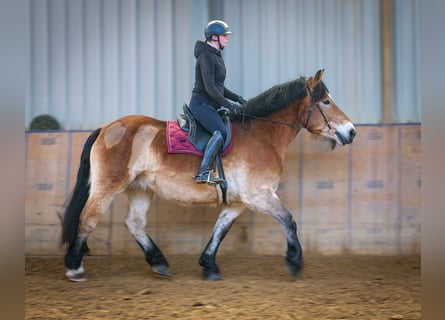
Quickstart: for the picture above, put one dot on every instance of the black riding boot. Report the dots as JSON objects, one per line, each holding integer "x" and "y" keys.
{"x": 205, "y": 175}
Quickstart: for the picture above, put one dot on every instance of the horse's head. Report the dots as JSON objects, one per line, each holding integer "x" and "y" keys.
{"x": 324, "y": 117}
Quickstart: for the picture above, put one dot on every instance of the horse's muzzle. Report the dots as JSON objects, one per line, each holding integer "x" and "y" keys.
{"x": 345, "y": 135}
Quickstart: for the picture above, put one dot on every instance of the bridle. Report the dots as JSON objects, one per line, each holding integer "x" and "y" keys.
{"x": 297, "y": 126}
{"x": 321, "y": 112}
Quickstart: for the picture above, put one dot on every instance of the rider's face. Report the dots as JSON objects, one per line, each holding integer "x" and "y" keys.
{"x": 224, "y": 39}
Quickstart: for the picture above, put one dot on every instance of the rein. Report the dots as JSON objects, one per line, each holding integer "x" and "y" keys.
{"x": 268, "y": 120}
{"x": 297, "y": 126}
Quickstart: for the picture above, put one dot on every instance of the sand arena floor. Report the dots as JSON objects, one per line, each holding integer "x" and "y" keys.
{"x": 346, "y": 287}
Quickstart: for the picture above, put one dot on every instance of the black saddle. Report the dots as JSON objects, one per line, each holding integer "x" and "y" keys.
{"x": 198, "y": 136}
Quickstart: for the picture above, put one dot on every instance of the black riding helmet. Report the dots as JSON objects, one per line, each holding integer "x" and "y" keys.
{"x": 216, "y": 27}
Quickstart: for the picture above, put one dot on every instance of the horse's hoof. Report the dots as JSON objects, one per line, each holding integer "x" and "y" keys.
{"x": 212, "y": 276}
{"x": 75, "y": 277}
{"x": 294, "y": 269}
{"x": 162, "y": 270}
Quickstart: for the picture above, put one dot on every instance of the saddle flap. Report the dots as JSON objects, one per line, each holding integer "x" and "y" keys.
{"x": 178, "y": 141}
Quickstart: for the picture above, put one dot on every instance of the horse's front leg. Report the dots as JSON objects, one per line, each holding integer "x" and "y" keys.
{"x": 220, "y": 230}
{"x": 272, "y": 206}
{"x": 294, "y": 260}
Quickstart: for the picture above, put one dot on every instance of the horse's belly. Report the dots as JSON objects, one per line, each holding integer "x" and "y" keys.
{"x": 189, "y": 195}
{"x": 183, "y": 190}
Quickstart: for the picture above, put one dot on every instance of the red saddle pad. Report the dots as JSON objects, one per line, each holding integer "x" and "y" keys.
{"x": 178, "y": 141}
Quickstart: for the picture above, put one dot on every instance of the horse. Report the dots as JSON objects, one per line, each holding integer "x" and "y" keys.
{"x": 129, "y": 155}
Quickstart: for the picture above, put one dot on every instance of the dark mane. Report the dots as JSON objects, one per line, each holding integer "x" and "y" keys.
{"x": 276, "y": 98}
{"x": 282, "y": 95}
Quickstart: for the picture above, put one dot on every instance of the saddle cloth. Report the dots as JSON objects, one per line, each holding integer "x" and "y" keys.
{"x": 178, "y": 141}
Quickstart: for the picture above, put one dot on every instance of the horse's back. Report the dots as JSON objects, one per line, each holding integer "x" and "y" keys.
{"x": 136, "y": 121}
{"x": 121, "y": 133}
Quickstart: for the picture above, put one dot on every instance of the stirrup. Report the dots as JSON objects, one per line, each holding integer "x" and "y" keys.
{"x": 211, "y": 179}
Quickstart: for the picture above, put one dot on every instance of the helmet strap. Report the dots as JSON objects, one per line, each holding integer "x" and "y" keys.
{"x": 220, "y": 46}
{"x": 209, "y": 40}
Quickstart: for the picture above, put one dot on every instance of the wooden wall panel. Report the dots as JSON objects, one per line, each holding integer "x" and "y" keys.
{"x": 178, "y": 229}
{"x": 410, "y": 189}
{"x": 46, "y": 175}
{"x": 361, "y": 199}
{"x": 42, "y": 239}
{"x": 324, "y": 196}
{"x": 375, "y": 187}
{"x": 268, "y": 237}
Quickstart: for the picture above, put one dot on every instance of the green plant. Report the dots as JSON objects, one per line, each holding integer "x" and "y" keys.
{"x": 44, "y": 122}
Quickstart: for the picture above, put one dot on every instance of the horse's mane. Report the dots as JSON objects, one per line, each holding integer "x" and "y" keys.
{"x": 276, "y": 98}
{"x": 282, "y": 95}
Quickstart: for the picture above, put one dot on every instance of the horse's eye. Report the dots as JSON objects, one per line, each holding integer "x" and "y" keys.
{"x": 326, "y": 102}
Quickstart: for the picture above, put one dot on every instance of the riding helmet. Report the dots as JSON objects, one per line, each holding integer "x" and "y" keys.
{"x": 217, "y": 27}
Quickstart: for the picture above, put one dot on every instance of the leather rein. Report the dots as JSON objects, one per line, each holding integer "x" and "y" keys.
{"x": 287, "y": 123}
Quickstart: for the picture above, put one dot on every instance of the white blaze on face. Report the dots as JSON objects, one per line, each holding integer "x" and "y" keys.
{"x": 344, "y": 129}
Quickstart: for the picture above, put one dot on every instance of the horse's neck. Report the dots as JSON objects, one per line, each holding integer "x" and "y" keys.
{"x": 288, "y": 121}
{"x": 283, "y": 128}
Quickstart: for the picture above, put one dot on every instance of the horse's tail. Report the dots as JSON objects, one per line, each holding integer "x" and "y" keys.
{"x": 79, "y": 196}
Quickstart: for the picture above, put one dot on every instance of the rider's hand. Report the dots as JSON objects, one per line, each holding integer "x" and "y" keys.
{"x": 235, "y": 109}
{"x": 241, "y": 101}
{"x": 230, "y": 109}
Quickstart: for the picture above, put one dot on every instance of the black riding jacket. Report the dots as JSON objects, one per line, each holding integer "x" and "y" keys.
{"x": 210, "y": 73}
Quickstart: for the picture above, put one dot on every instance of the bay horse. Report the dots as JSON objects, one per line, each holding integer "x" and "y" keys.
{"x": 130, "y": 156}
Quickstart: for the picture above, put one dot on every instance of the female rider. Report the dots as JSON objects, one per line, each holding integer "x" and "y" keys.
{"x": 210, "y": 94}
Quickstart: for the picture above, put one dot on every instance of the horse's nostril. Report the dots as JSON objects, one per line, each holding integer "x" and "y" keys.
{"x": 352, "y": 134}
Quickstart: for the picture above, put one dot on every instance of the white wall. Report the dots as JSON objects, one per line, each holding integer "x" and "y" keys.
{"x": 91, "y": 61}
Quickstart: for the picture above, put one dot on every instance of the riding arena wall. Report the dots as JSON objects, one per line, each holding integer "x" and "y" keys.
{"x": 359, "y": 199}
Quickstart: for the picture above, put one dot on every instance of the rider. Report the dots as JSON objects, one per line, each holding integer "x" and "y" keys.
{"x": 210, "y": 94}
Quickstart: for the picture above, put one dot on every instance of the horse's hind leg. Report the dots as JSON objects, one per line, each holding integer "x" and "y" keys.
{"x": 220, "y": 230}
{"x": 93, "y": 210}
{"x": 136, "y": 221}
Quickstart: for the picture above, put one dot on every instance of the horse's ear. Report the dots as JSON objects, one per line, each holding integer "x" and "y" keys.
{"x": 319, "y": 75}
{"x": 313, "y": 81}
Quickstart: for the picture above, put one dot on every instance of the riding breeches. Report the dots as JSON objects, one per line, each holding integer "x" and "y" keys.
{"x": 207, "y": 116}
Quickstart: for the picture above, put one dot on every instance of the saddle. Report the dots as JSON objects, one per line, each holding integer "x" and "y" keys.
{"x": 186, "y": 135}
